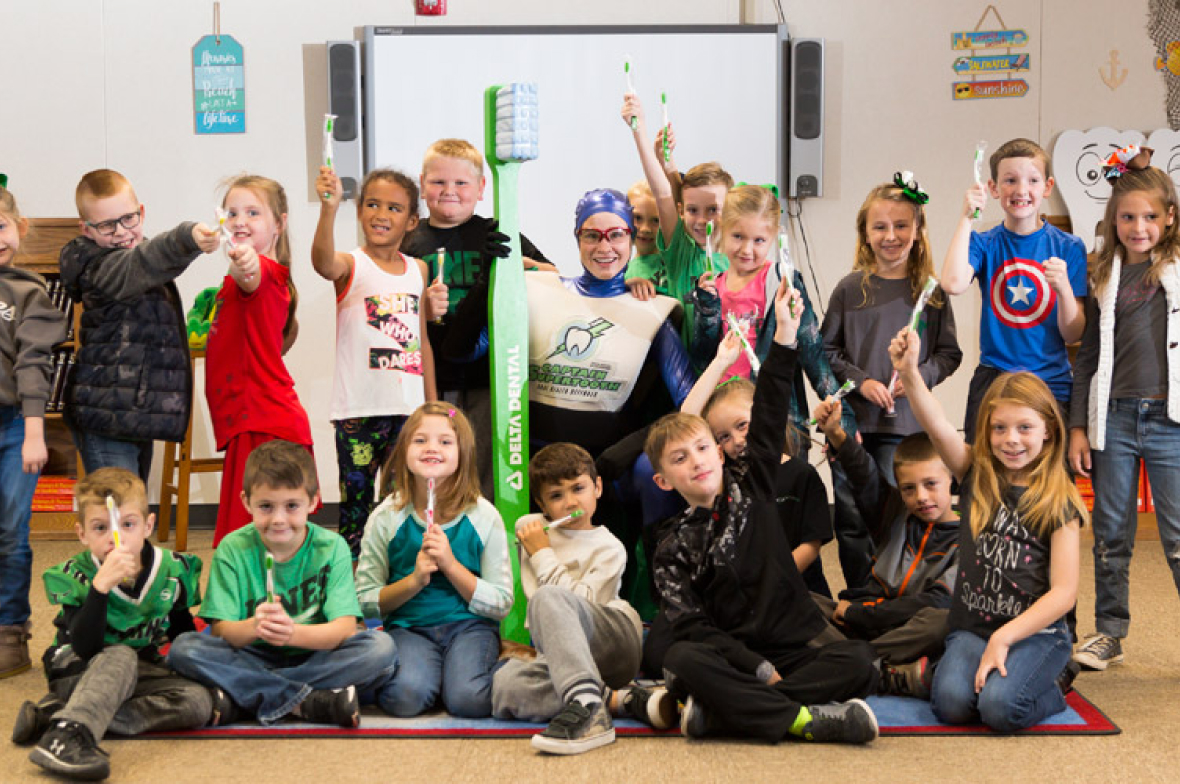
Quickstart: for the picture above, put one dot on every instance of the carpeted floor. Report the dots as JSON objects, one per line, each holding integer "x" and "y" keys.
{"x": 1141, "y": 697}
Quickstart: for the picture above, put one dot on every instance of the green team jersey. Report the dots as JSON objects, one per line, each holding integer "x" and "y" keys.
{"x": 684, "y": 261}
{"x": 315, "y": 585}
{"x": 650, "y": 267}
{"x": 138, "y": 622}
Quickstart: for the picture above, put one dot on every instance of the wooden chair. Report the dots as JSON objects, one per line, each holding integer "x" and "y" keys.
{"x": 181, "y": 470}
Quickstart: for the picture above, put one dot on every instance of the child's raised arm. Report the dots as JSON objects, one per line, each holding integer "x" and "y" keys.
{"x": 957, "y": 272}
{"x": 953, "y": 450}
{"x": 330, "y": 265}
{"x": 728, "y": 352}
{"x": 661, "y": 189}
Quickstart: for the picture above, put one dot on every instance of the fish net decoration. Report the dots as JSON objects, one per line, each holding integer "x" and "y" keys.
{"x": 1164, "y": 27}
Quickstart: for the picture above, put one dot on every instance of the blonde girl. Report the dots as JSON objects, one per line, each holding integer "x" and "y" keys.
{"x": 1018, "y": 550}
{"x": 434, "y": 567}
{"x": 251, "y": 394}
{"x": 1126, "y": 389}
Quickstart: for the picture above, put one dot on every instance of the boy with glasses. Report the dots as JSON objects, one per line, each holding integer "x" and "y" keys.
{"x": 131, "y": 383}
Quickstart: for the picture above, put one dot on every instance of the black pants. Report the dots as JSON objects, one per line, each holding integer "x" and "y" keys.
{"x": 739, "y": 704}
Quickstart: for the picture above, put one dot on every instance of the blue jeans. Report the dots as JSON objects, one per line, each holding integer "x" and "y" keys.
{"x": 1027, "y": 695}
{"x": 16, "y": 503}
{"x": 104, "y": 452}
{"x": 456, "y": 658}
{"x": 1134, "y": 429}
{"x": 269, "y": 684}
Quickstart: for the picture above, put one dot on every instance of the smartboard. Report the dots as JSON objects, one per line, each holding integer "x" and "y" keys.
{"x": 725, "y": 88}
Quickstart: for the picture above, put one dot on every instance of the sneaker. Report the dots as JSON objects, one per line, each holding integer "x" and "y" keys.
{"x": 841, "y": 722}
{"x": 225, "y": 710}
{"x": 1098, "y": 651}
{"x": 694, "y": 720}
{"x": 33, "y": 719}
{"x": 654, "y": 707}
{"x": 576, "y": 729}
{"x": 907, "y": 680}
{"x": 332, "y": 706}
{"x": 1066, "y": 677}
{"x": 14, "y": 650}
{"x": 68, "y": 748}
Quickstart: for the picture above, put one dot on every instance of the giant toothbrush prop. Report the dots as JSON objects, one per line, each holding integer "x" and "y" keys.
{"x": 511, "y": 137}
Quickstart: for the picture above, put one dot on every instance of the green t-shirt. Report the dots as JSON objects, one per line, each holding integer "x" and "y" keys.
{"x": 137, "y": 622}
{"x": 315, "y": 585}
{"x": 650, "y": 267}
{"x": 684, "y": 261}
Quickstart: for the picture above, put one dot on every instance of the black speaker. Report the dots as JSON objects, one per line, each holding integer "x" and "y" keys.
{"x": 806, "y": 156}
{"x": 344, "y": 101}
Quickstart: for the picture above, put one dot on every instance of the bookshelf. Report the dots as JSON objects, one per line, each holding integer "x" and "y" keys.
{"x": 39, "y": 253}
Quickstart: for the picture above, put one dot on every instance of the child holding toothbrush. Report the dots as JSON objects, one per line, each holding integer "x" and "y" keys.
{"x": 251, "y": 394}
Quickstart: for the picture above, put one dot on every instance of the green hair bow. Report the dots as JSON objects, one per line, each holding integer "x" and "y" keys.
{"x": 770, "y": 186}
{"x": 3, "y": 180}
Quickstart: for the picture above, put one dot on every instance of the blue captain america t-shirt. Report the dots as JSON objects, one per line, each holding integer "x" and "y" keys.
{"x": 1018, "y": 320}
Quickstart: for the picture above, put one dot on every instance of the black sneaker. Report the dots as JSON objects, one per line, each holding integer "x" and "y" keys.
{"x": 1098, "y": 651}
{"x": 576, "y": 729}
{"x": 694, "y": 720}
{"x": 332, "y": 706}
{"x": 654, "y": 707}
{"x": 1067, "y": 676}
{"x": 841, "y": 722}
{"x": 907, "y": 680}
{"x": 33, "y": 719}
{"x": 225, "y": 710}
{"x": 68, "y": 748}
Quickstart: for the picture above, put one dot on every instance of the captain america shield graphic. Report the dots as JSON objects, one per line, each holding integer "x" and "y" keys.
{"x": 1020, "y": 294}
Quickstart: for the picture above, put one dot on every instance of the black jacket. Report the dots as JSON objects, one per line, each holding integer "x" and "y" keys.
{"x": 132, "y": 379}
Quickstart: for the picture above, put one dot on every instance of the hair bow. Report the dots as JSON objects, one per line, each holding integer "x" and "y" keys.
{"x": 1129, "y": 158}
{"x": 3, "y": 180}
{"x": 770, "y": 186}
{"x": 910, "y": 187}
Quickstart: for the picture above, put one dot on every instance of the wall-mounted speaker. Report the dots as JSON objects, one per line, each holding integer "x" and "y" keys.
{"x": 806, "y": 150}
{"x": 344, "y": 101}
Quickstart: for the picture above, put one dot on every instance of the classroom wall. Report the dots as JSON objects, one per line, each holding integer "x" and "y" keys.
{"x": 91, "y": 84}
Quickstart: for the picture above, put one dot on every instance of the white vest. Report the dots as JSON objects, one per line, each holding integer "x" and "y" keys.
{"x": 378, "y": 345}
{"x": 585, "y": 354}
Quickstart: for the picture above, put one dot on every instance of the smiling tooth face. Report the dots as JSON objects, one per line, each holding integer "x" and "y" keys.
{"x": 1078, "y": 157}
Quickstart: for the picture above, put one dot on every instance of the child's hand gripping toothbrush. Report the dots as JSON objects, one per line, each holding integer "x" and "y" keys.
{"x": 979, "y": 148}
{"x": 269, "y": 560}
{"x": 736, "y": 327}
{"x": 116, "y": 519}
{"x": 915, "y": 319}
{"x": 841, "y": 393}
{"x": 329, "y": 153}
{"x": 630, "y": 89}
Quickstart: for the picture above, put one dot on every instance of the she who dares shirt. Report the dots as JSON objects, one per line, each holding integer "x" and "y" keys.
{"x": 1001, "y": 572}
{"x": 246, "y": 382}
{"x": 378, "y": 342}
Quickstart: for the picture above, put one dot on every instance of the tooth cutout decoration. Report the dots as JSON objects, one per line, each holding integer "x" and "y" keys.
{"x": 1077, "y": 168}
{"x": 1166, "y": 157}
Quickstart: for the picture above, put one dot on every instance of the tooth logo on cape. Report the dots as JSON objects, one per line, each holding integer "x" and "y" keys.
{"x": 578, "y": 340}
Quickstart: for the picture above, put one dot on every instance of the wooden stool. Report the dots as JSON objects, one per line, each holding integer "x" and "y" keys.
{"x": 181, "y": 470}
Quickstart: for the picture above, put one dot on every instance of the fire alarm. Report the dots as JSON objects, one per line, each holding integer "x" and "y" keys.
{"x": 432, "y": 7}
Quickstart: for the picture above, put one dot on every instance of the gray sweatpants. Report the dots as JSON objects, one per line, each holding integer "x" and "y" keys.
{"x": 128, "y": 696}
{"x": 576, "y": 641}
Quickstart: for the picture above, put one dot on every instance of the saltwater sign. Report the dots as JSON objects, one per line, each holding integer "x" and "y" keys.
{"x": 991, "y": 63}
{"x": 219, "y": 85}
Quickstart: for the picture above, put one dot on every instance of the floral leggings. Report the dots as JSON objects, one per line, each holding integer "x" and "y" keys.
{"x": 362, "y": 447}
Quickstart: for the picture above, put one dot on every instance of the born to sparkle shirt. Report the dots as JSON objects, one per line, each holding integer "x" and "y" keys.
{"x": 1018, "y": 320}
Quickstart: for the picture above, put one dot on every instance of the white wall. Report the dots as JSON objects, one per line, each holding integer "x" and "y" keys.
{"x": 90, "y": 84}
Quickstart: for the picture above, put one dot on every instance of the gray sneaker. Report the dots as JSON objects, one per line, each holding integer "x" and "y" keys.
{"x": 695, "y": 722}
{"x": 576, "y": 730}
{"x": 841, "y": 722}
{"x": 653, "y": 707}
{"x": 1098, "y": 651}
{"x": 907, "y": 680}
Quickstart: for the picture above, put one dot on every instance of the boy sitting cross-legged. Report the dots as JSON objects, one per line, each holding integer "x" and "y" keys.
{"x": 121, "y": 599}
{"x": 285, "y": 639}
{"x": 750, "y": 651}
{"x": 589, "y": 639}
{"x": 902, "y": 609}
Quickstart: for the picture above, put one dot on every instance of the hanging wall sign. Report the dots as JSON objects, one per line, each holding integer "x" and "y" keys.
{"x": 1000, "y": 88}
{"x": 219, "y": 85}
{"x": 995, "y": 63}
{"x": 988, "y": 39}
